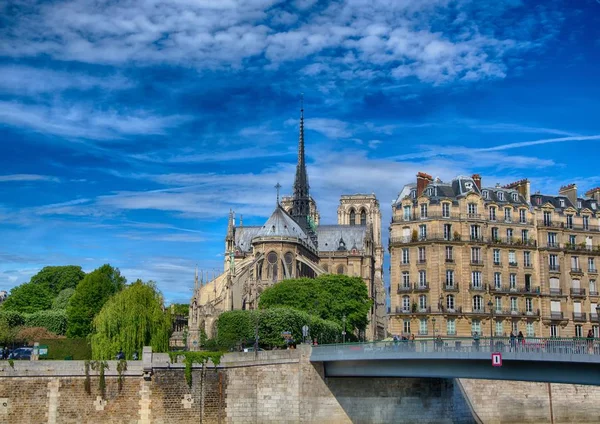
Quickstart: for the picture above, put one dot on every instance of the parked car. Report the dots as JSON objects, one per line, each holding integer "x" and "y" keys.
{"x": 23, "y": 353}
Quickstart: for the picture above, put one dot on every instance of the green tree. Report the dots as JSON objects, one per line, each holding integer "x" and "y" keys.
{"x": 58, "y": 278}
{"x": 130, "y": 320}
{"x": 90, "y": 296}
{"x": 331, "y": 297}
{"x": 61, "y": 301}
{"x": 28, "y": 298}
{"x": 179, "y": 309}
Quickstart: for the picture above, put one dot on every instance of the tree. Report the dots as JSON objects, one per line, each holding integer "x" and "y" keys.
{"x": 28, "y": 298}
{"x": 58, "y": 278}
{"x": 90, "y": 296}
{"x": 61, "y": 301}
{"x": 130, "y": 320}
{"x": 331, "y": 297}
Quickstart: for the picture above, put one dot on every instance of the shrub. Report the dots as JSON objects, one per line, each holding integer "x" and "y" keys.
{"x": 54, "y": 321}
{"x": 58, "y": 349}
{"x": 31, "y": 335}
{"x": 12, "y": 318}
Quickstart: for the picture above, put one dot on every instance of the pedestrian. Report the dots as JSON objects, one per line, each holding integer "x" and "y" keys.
{"x": 476, "y": 341}
{"x": 315, "y": 342}
{"x": 521, "y": 340}
{"x": 590, "y": 341}
{"x": 412, "y": 343}
{"x": 513, "y": 342}
{"x": 135, "y": 355}
{"x": 439, "y": 343}
{"x": 120, "y": 355}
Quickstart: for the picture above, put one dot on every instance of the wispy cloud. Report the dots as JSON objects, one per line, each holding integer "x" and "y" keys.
{"x": 28, "y": 177}
{"x": 516, "y": 128}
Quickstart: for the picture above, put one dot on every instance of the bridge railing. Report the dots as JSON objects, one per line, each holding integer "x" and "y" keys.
{"x": 470, "y": 347}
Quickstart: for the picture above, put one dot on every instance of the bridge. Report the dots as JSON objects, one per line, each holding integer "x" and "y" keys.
{"x": 575, "y": 361}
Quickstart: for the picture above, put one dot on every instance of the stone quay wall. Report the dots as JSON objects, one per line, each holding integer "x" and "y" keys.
{"x": 270, "y": 387}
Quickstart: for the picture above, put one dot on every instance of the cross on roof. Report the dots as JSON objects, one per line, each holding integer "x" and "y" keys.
{"x": 278, "y": 187}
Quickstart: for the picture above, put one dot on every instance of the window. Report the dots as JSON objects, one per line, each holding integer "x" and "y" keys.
{"x": 508, "y": 214}
{"x": 423, "y": 302}
{"x": 554, "y": 330}
{"x": 593, "y": 290}
{"x": 495, "y": 234}
{"x": 476, "y": 255}
{"x": 499, "y": 328}
{"x": 523, "y": 216}
{"x": 513, "y": 304}
{"x": 578, "y": 331}
{"x": 422, "y": 232}
{"x": 515, "y": 327}
{"x": 406, "y": 279}
{"x": 595, "y": 330}
{"x": 423, "y": 278}
{"x": 512, "y": 258}
{"x": 352, "y": 217}
{"x": 509, "y": 235}
{"x": 422, "y": 255}
{"x": 449, "y": 277}
{"x": 476, "y": 279}
{"x": 586, "y": 222}
{"x": 446, "y": 210}
{"x": 406, "y": 303}
{"x": 447, "y": 232}
{"x": 527, "y": 258}
{"x": 553, "y": 262}
{"x": 555, "y": 307}
{"x": 500, "y": 196}
{"x": 475, "y": 233}
{"x": 528, "y": 282}
{"x": 496, "y": 256}
{"x": 593, "y": 314}
{"x": 579, "y": 204}
{"x": 515, "y": 197}
{"x": 492, "y": 213}
{"x": 423, "y": 210}
{"x": 451, "y": 327}
{"x": 513, "y": 281}
{"x": 477, "y": 303}
{"x": 547, "y": 218}
{"x": 569, "y": 221}
{"x": 449, "y": 254}
{"x": 562, "y": 203}
{"x": 552, "y": 240}
{"x": 529, "y": 329}
{"x": 475, "y": 326}
{"x": 575, "y": 263}
{"x": 485, "y": 194}
{"x": 363, "y": 217}
{"x": 407, "y": 213}
{"x": 528, "y": 304}
{"x": 498, "y": 303}
{"x": 423, "y": 326}
{"x": 525, "y": 236}
{"x": 472, "y": 209}
{"x": 572, "y": 240}
{"x": 450, "y": 301}
{"x": 406, "y": 326}
{"x": 591, "y": 265}
{"x": 497, "y": 280}
{"x": 405, "y": 255}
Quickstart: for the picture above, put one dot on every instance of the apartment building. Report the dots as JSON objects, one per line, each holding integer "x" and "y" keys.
{"x": 467, "y": 259}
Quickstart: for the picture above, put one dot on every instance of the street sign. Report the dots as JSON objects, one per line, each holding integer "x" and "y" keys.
{"x": 497, "y": 359}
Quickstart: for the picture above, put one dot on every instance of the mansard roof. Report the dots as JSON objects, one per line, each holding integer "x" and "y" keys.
{"x": 329, "y": 237}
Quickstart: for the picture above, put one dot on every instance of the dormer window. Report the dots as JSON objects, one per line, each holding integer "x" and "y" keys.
{"x": 579, "y": 204}
{"x": 562, "y": 203}
{"x": 485, "y": 194}
{"x": 515, "y": 197}
{"x": 500, "y": 195}
{"x": 538, "y": 201}
{"x": 593, "y": 205}
{"x": 413, "y": 193}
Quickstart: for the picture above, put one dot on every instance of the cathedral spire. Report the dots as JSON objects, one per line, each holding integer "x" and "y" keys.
{"x": 300, "y": 207}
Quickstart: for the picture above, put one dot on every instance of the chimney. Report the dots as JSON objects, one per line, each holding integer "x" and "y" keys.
{"x": 477, "y": 180}
{"x": 523, "y": 187}
{"x": 423, "y": 181}
{"x": 594, "y": 194}
{"x": 571, "y": 192}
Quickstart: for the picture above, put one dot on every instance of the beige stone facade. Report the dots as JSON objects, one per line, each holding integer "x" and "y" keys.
{"x": 456, "y": 248}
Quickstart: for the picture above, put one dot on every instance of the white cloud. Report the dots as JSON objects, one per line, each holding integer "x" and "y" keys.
{"x": 28, "y": 177}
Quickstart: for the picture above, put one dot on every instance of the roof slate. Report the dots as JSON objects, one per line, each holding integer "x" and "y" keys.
{"x": 329, "y": 236}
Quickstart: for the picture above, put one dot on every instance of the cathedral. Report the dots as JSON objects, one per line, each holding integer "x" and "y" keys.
{"x": 292, "y": 243}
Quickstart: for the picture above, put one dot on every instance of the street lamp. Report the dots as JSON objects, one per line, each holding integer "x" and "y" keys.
{"x": 344, "y": 332}
{"x": 598, "y": 313}
{"x": 433, "y": 321}
{"x": 490, "y": 304}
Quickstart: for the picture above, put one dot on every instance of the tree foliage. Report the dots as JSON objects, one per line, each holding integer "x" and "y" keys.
{"x": 180, "y": 309}
{"x": 8, "y": 334}
{"x": 130, "y": 320}
{"x": 62, "y": 299}
{"x": 57, "y": 278}
{"x": 12, "y": 318}
{"x": 234, "y": 327}
{"x": 328, "y": 296}
{"x": 90, "y": 296}
{"x": 55, "y": 321}
{"x": 28, "y": 298}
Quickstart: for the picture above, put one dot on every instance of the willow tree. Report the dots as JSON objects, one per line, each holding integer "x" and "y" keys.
{"x": 130, "y": 320}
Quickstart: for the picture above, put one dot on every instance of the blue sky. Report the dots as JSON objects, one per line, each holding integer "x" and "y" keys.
{"x": 129, "y": 128}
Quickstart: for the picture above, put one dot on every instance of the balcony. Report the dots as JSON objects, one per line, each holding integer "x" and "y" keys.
{"x": 422, "y": 261}
{"x": 593, "y": 293}
{"x": 553, "y": 245}
{"x": 555, "y": 292}
{"x": 577, "y": 292}
{"x": 421, "y": 286}
{"x": 452, "y": 311}
{"x": 564, "y": 225}
{"x": 556, "y": 315}
{"x": 554, "y": 268}
{"x": 593, "y": 317}
{"x": 478, "y": 311}
{"x": 451, "y": 287}
{"x": 449, "y": 260}
{"x": 403, "y": 289}
{"x": 476, "y": 262}
{"x": 402, "y": 310}
{"x": 576, "y": 270}
{"x": 426, "y": 310}
{"x": 497, "y": 263}
{"x": 593, "y": 270}
{"x": 528, "y": 265}
{"x": 423, "y": 332}
{"x": 474, "y": 216}
{"x": 511, "y": 241}
{"x": 513, "y": 264}
{"x": 579, "y": 316}
{"x": 518, "y": 290}
{"x": 477, "y": 287}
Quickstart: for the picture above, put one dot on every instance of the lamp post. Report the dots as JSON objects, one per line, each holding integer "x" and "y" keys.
{"x": 433, "y": 321}
{"x": 597, "y": 315}
{"x": 490, "y": 305}
{"x": 344, "y": 331}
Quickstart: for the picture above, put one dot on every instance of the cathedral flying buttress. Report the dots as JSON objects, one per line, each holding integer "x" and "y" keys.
{"x": 293, "y": 243}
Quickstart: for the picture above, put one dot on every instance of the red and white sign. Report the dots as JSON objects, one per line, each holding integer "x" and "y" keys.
{"x": 497, "y": 359}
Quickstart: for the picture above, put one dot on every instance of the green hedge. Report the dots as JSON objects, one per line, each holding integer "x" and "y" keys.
{"x": 76, "y": 349}
{"x": 54, "y": 321}
{"x": 12, "y": 318}
{"x": 236, "y": 327}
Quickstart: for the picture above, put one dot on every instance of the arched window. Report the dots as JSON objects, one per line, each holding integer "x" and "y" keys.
{"x": 363, "y": 217}
{"x": 352, "y": 217}
{"x": 450, "y": 301}
{"x": 340, "y": 269}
